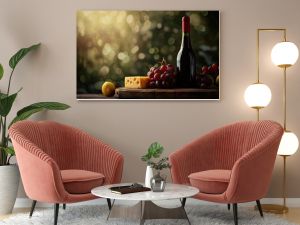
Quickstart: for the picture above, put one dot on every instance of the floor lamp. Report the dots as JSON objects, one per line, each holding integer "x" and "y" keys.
{"x": 284, "y": 55}
{"x": 258, "y": 96}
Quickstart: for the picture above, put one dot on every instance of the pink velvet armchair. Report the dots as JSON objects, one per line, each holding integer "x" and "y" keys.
{"x": 231, "y": 165}
{"x": 60, "y": 164}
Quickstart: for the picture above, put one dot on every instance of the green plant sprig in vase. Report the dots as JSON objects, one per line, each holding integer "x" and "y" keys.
{"x": 156, "y": 182}
{"x": 154, "y": 152}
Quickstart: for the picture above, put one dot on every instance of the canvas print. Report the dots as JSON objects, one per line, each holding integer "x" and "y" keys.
{"x": 148, "y": 55}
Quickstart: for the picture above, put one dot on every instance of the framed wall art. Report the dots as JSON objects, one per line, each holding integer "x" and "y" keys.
{"x": 148, "y": 55}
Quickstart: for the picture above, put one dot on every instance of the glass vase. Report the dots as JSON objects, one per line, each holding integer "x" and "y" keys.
{"x": 158, "y": 182}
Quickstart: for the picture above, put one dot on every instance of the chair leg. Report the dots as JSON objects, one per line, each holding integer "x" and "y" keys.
{"x": 108, "y": 203}
{"x": 228, "y": 206}
{"x": 259, "y": 208}
{"x": 64, "y": 206}
{"x": 32, "y": 208}
{"x": 56, "y": 209}
{"x": 183, "y": 202}
{"x": 235, "y": 213}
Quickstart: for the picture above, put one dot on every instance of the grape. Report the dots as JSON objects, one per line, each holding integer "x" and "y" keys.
{"x": 152, "y": 68}
{"x": 151, "y": 76}
{"x": 157, "y": 83}
{"x": 170, "y": 67}
{"x": 156, "y": 70}
{"x": 211, "y": 70}
{"x": 215, "y": 68}
{"x": 156, "y": 76}
{"x": 163, "y": 76}
{"x": 204, "y": 81}
{"x": 204, "y": 70}
{"x": 163, "y": 68}
{"x": 152, "y": 84}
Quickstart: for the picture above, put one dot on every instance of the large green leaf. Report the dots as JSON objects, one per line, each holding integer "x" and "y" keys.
{"x": 27, "y": 111}
{"x": 155, "y": 150}
{"x": 44, "y": 105}
{"x": 16, "y": 58}
{"x": 25, "y": 115}
{"x": 1, "y": 71}
{"x": 6, "y": 103}
{"x": 9, "y": 150}
{"x": 2, "y": 95}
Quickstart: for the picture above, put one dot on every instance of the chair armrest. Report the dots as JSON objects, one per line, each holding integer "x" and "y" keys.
{"x": 97, "y": 156}
{"x": 251, "y": 174}
{"x": 40, "y": 174}
{"x": 191, "y": 158}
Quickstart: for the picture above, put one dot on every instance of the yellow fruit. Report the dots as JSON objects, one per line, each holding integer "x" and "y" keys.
{"x": 217, "y": 80}
{"x": 108, "y": 89}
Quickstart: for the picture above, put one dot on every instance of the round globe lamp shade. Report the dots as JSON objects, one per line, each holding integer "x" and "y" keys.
{"x": 257, "y": 95}
{"x": 284, "y": 54}
{"x": 289, "y": 144}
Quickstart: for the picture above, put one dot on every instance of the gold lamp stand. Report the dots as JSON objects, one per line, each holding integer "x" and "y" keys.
{"x": 272, "y": 208}
{"x": 278, "y": 209}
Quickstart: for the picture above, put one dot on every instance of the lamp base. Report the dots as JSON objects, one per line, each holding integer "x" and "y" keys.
{"x": 276, "y": 209}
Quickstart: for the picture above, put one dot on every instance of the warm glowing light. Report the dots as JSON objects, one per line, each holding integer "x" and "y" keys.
{"x": 284, "y": 54}
{"x": 257, "y": 95}
{"x": 289, "y": 144}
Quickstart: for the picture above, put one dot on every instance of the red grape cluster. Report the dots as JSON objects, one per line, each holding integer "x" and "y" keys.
{"x": 212, "y": 70}
{"x": 207, "y": 78}
{"x": 163, "y": 76}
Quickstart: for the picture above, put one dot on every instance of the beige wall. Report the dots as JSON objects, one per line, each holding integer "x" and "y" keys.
{"x": 50, "y": 74}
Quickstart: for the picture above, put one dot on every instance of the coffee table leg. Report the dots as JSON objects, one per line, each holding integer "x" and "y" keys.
{"x": 153, "y": 211}
{"x": 130, "y": 212}
{"x": 108, "y": 203}
{"x": 186, "y": 216}
{"x": 142, "y": 221}
{"x": 110, "y": 208}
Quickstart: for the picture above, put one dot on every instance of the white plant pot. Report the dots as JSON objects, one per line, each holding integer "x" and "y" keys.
{"x": 9, "y": 183}
{"x": 148, "y": 176}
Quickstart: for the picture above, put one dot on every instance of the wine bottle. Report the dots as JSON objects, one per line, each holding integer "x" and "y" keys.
{"x": 186, "y": 61}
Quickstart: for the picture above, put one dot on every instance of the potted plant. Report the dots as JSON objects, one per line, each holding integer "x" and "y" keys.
{"x": 9, "y": 173}
{"x": 156, "y": 182}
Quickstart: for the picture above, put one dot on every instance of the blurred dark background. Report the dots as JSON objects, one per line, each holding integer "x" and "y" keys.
{"x": 114, "y": 44}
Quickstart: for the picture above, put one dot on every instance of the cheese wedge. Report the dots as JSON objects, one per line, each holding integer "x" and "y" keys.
{"x": 137, "y": 82}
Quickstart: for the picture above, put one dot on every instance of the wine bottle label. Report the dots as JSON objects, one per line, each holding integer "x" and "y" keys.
{"x": 186, "y": 24}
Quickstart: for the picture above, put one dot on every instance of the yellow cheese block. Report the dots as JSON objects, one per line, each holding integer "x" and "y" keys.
{"x": 137, "y": 82}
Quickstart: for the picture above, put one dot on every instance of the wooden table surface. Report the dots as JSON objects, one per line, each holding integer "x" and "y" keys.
{"x": 149, "y": 93}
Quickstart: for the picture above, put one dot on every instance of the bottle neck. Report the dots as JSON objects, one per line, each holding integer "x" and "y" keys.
{"x": 186, "y": 24}
{"x": 186, "y": 40}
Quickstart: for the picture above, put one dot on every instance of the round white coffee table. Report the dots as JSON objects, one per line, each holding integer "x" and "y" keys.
{"x": 145, "y": 208}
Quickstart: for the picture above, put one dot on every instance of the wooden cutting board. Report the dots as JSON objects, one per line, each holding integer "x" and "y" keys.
{"x": 175, "y": 93}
